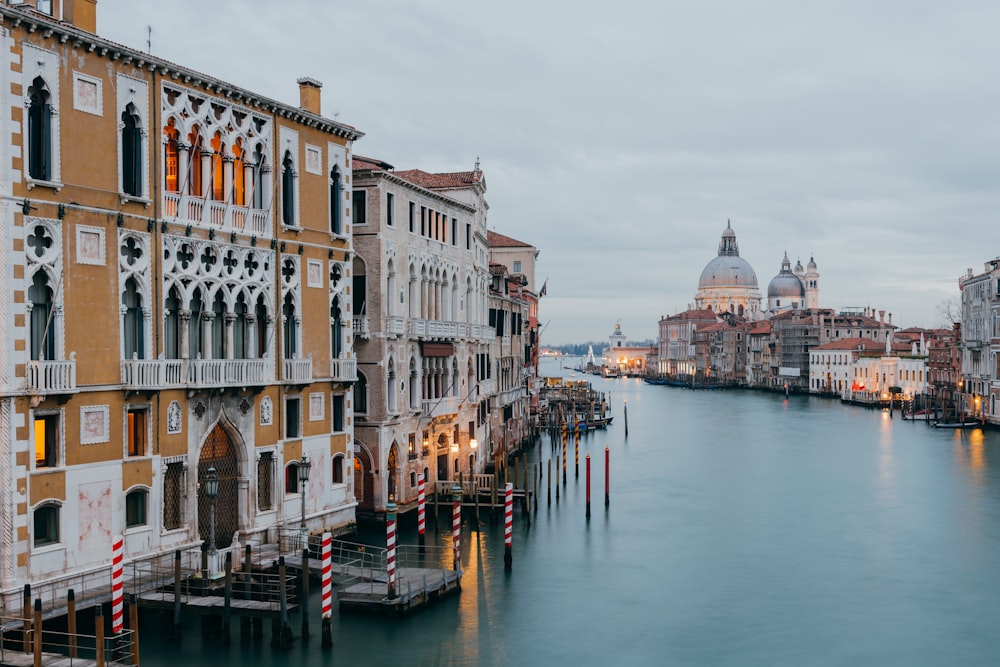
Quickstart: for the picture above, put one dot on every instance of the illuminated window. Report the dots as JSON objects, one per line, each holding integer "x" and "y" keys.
{"x": 218, "y": 181}
{"x": 170, "y": 158}
{"x": 46, "y": 441}
{"x": 239, "y": 175}
{"x": 135, "y": 508}
{"x": 138, "y": 425}
{"x": 193, "y": 174}
{"x": 46, "y": 523}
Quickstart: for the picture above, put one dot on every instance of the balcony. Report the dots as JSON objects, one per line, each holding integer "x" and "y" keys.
{"x": 297, "y": 371}
{"x": 438, "y": 407}
{"x": 149, "y": 374}
{"x": 51, "y": 377}
{"x": 487, "y": 387}
{"x": 217, "y": 214}
{"x": 362, "y": 328}
{"x": 423, "y": 329}
{"x": 395, "y": 326}
{"x": 229, "y": 372}
{"x": 344, "y": 370}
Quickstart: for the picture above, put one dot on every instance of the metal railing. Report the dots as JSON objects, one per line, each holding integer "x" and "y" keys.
{"x": 18, "y": 637}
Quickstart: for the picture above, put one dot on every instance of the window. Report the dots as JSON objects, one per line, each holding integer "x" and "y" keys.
{"x": 135, "y": 508}
{"x": 390, "y": 205}
{"x": 138, "y": 431}
{"x": 46, "y": 525}
{"x": 132, "y": 152}
{"x": 171, "y": 157}
{"x": 454, "y": 231}
{"x": 361, "y": 394}
{"x": 468, "y": 236}
{"x": 290, "y": 330}
{"x": 336, "y": 329}
{"x": 172, "y": 325}
{"x": 358, "y": 213}
{"x": 134, "y": 336}
{"x": 336, "y": 205}
{"x": 39, "y": 131}
{"x": 338, "y": 469}
{"x": 338, "y": 414}
{"x": 218, "y": 326}
{"x": 423, "y": 221}
{"x": 46, "y": 440}
{"x": 43, "y": 344}
{"x": 292, "y": 477}
{"x": 413, "y": 222}
{"x": 288, "y": 190}
{"x": 517, "y": 266}
{"x": 173, "y": 496}
{"x": 292, "y": 413}
{"x": 265, "y": 481}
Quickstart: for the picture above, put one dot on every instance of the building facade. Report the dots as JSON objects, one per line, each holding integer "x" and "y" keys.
{"x": 163, "y": 235}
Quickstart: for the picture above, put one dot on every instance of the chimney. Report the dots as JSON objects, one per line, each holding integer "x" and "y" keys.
{"x": 890, "y": 319}
{"x": 81, "y": 13}
{"x": 309, "y": 94}
{"x": 881, "y": 317}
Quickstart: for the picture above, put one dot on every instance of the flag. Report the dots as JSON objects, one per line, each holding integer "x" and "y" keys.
{"x": 542, "y": 291}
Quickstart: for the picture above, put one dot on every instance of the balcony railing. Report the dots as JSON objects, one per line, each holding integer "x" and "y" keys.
{"x": 52, "y": 377}
{"x": 141, "y": 374}
{"x": 436, "y": 329}
{"x": 362, "y": 328}
{"x": 217, "y": 214}
{"x": 395, "y": 326}
{"x": 438, "y": 407}
{"x": 344, "y": 370}
{"x": 298, "y": 370}
{"x": 229, "y": 372}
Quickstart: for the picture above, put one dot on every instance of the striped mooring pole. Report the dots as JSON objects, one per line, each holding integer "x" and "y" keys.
{"x": 576, "y": 445}
{"x": 421, "y": 525}
{"x": 390, "y": 548}
{"x": 117, "y": 585}
{"x": 564, "y": 461}
{"x": 456, "y": 525}
{"x": 326, "y": 586}
{"x": 508, "y": 526}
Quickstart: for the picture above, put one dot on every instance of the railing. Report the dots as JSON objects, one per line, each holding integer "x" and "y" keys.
{"x": 395, "y": 326}
{"x": 52, "y": 377}
{"x": 344, "y": 370}
{"x": 436, "y": 329}
{"x": 216, "y": 214}
{"x": 511, "y": 395}
{"x": 152, "y": 373}
{"x": 483, "y": 333}
{"x": 18, "y": 637}
{"x": 436, "y": 407}
{"x": 298, "y": 370}
{"x": 228, "y": 372}
{"x": 362, "y": 327}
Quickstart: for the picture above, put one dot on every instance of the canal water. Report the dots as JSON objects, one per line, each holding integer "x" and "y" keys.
{"x": 743, "y": 529}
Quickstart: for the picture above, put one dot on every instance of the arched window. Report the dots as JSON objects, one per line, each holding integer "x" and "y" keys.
{"x": 336, "y": 329}
{"x": 218, "y": 327}
{"x": 240, "y": 329}
{"x": 336, "y": 207}
{"x": 290, "y": 330}
{"x": 239, "y": 175}
{"x": 292, "y": 477}
{"x": 338, "y": 469}
{"x": 361, "y": 394}
{"x": 135, "y": 508}
{"x": 39, "y": 131}
{"x": 46, "y": 524}
{"x": 171, "y": 157}
{"x": 172, "y": 325}
{"x": 131, "y": 152}
{"x": 43, "y": 344}
{"x": 288, "y": 190}
{"x": 391, "y": 387}
{"x": 258, "y": 183}
{"x": 414, "y": 387}
{"x": 194, "y": 175}
{"x": 194, "y": 326}
{"x": 134, "y": 336}
{"x": 218, "y": 190}
{"x": 260, "y": 316}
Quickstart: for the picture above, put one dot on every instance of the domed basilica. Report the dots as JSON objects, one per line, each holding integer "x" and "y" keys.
{"x": 729, "y": 284}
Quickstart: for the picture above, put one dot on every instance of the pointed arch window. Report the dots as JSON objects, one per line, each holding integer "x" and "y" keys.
{"x": 361, "y": 394}
{"x": 260, "y": 316}
{"x": 131, "y": 152}
{"x": 39, "y": 131}
{"x": 240, "y": 329}
{"x": 194, "y": 172}
{"x": 194, "y": 327}
{"x": 336, "y": 329}
{"x": 134, "y": 334}
{"x": 336, "y": 205}
{"x": 258, "y": 183}
{"x": 172, "y": 325}
{"x": 239, "y": 174}
{"x": 391, "y": 387}
{"x": 171, "y": 157}
{"x": 218, "y": 326}
{"x": 218, "y": 178}
{"x": 43, "y": 345}
{"x": 288, "y": 190}
{"x": 290, "y": 327}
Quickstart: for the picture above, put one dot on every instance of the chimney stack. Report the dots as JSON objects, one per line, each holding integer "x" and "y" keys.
{"x": 309, "y": 94}
{"x": 81, "y": 13}
{"x": 881, "y": 317}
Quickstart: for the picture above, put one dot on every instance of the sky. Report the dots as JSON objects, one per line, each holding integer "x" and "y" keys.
{"x": 619, "y": 138}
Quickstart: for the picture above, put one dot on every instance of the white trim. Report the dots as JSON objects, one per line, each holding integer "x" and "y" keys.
{"x": 314, "y": 160}
{"x": 97, "y": 106}
{"x": 83, "y": 231}
{"x": 317, "y": 406}
{"x": 101, "y": 412}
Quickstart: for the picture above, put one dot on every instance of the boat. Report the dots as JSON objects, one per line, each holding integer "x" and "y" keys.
{"x": 919, "y": 415}
{"x": 654, "y": 381}
{"x": 973, "y": 424}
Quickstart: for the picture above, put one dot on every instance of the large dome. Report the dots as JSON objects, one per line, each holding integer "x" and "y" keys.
{"x": 728, "y": 271}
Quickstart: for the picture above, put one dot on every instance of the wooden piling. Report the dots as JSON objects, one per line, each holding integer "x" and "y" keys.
{"x": 26, "y": 615}
{"x": 607, "y": 476}
{"x": 133, "y": 625}
{"x": 475, "y": 497}
{"x": 304, "y": 597}
{"x": 228, "y": 599}
{"x": 176, "y": 627}
{"x": 588, "y": 485}
{"x": 71, "y": 621}
{"x": 284, "y": 637}
{"x": 538, "y": 471}
{"x": 625, "y": 411}
{"x": 37, "y": 632}
{"x": 548, "y": 480}
{"x": 245, "y": 631}
{"x": 99, "y": 636}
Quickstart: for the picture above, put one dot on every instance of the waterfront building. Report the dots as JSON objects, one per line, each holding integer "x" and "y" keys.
{"x": 758, "y": 353}
{"x": 944, "y": 367}
{"x": 832, "y": 366}
{"x": 675, "y": 341}
{"x": 898, "y": 372}
{"x": 621, "y": 359}
{"x": 165, "y": 239}
{"x": 419, "y": 290}
{"x": 980, "y": 344}
{"x": 728, "y": 283}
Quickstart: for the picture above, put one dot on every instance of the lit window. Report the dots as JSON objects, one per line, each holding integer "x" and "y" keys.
{"x": 137, "y": 431}
{"x": 46, "y": 441}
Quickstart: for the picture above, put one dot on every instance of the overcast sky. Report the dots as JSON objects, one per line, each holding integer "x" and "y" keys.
{"x": 619, "y": 137}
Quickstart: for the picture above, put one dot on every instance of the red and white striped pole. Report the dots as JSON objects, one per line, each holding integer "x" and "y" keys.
{"x": 117, "y": 585}
{"x": 564, "y": 460}
{"x": 576, "y": 445}
{"x": 420, "y": 508}
{"x": 326, "y": 581}
{"x": 508, "y": 526}
{"x": 390, "y": 547}
{"x": 456, "y": 525}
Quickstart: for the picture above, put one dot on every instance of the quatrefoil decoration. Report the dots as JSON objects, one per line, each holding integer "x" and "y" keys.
{"x": 131, "y": 251}
{"x": 40, "y": 241}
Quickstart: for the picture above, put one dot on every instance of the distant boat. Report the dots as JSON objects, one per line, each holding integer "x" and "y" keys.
{"x": 919, "y": 414}
{"x": 973, "y": 424}
{"x": 655, "y": 381}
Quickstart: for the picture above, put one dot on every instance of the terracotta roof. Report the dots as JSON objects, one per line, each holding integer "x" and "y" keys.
{"x": 694, "y": 314}
{"x": 362, "y": 162}
{"x": 498, "y": 240}
{"x": 762, "y": 327}
{"x": 455, "y": 179}
{"x": 864, "y": 344}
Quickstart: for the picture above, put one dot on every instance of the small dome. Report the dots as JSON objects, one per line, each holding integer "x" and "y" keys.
{"x": 786, "y": 285}
{"x": 798, "y": 270}
{"x": 811, "y": 266}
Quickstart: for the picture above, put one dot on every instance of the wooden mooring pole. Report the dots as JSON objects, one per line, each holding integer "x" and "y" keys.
{"x": 71, "y": 621}
{"x": 133, "y": 625}
{"x": 26, "y": 615}
{"x": 588, "y": 486}
{"x": 228, "y": 599}
{"x": 37, "y": 632}
{"x": 247, "y": 572}
{"x": 176, "y": 626}
{"x": 99, "y": 636}
{"x": 304, "y": 597}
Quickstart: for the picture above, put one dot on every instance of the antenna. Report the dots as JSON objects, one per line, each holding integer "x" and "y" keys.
{"x": 149, "y": 39}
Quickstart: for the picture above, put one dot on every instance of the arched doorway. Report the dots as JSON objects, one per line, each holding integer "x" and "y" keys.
{"x": 364, "y": 479}
{"x": 219, "y": 452}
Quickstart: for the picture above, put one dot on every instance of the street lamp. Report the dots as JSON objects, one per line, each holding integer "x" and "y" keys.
{"x": 304, "y": 466}
{"x": 212, "y": 492}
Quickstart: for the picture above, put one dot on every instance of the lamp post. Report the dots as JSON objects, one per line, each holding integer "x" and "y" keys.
{"x": 212, "y": 492}
{"x": 304, "y": 466}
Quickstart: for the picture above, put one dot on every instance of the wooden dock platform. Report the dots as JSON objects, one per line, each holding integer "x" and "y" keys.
{"x": 213, "y": 604}
{"x": 415, "y": 587}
